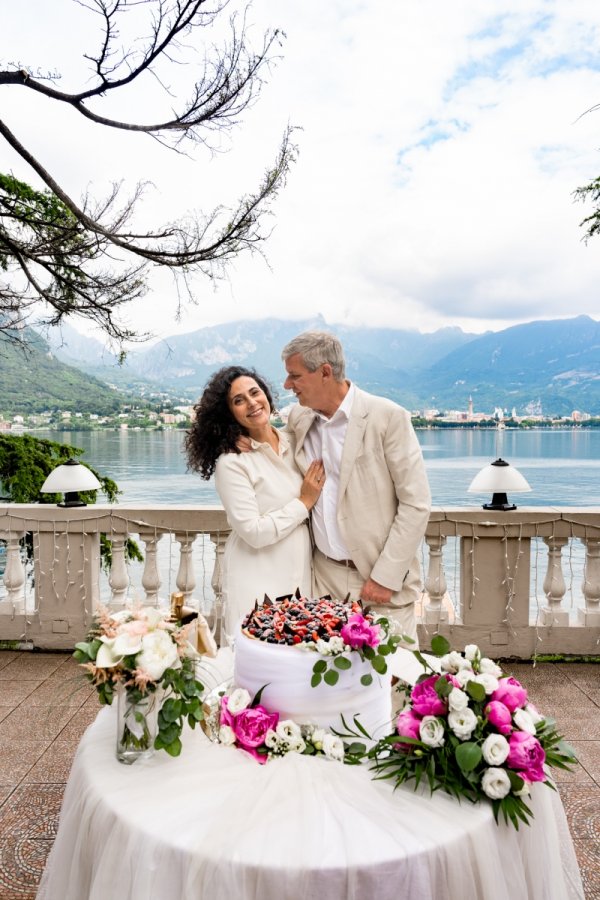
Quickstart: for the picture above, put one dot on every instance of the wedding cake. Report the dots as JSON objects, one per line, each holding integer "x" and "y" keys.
{"x": 277, "y": 649}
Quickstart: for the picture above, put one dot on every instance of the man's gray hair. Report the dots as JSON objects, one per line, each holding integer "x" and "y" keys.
{"x": 317, "y": 348}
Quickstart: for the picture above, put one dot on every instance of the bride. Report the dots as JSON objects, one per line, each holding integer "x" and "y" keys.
{"x": 266, "y": 499}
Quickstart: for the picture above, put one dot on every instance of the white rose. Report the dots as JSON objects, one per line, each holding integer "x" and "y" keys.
{"x": 523, "y": 720}
{"x": 238, "y": 700}
{"x": 489, "y": 682}
{"x": 333, "y": 747}
{"x": 471, "y": 652}
{"x": 535, "y": 716}
{"x": 226, "y": 735}
{"x": 462, "y": 723}
{"x": 317, "y": 736}
{"x": 431, "y": 731}
{"x": 158, "y": 654}
{"x": 495, "y": 749}
{"x": 489, "y": 667}
{"x": 457, "y": 699}
{"x": 495, "y": 783}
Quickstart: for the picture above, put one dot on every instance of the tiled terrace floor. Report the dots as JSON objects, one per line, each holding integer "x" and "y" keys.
{"x": 45, "y": 707}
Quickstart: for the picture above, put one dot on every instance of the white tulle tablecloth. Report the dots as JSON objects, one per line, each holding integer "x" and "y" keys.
{"x": 214, "y": 825}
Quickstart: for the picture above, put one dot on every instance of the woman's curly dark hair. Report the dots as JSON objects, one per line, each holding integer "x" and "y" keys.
{"x": 214, "y": 430}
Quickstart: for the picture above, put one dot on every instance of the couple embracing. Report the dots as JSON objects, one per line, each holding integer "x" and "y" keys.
{"x": 347, "y": 459}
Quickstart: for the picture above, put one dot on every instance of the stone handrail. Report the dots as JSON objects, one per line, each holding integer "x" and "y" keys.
{"x": 490, "y": 553}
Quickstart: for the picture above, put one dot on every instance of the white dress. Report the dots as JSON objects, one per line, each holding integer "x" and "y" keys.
{"x": 268, "y": 551}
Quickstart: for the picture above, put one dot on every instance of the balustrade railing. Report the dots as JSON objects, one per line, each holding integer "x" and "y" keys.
{"x": 518, "y": 584}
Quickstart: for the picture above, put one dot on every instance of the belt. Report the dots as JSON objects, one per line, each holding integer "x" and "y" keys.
{"x": 341, "y": 562}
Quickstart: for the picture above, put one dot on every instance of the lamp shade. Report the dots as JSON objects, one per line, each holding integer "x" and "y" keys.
{"x": 499, "y": 478}
{"x": 68, "y": 479}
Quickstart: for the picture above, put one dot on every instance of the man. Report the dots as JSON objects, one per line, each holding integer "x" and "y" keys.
{"x": 372, "y": 513}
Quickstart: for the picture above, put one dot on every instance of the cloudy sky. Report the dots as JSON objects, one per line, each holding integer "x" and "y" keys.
{"x": 439, "y": 147}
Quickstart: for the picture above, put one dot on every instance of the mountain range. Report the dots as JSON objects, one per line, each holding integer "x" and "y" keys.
{"x": 553, "y": 365}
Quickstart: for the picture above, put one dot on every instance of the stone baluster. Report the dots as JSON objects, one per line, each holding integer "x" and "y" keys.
{"x": 185, "y": 581}
{"x": 118, "y": 578}
{"x": 150, "y": 577}
{"x": 435, "y": 582}
{"x": 215, "y": 619}
{"x": 14, "y": 572}
{"x": 591, "y": 585}
{"x": 554, "y": 584}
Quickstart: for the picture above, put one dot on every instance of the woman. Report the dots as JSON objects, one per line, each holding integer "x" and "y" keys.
{"x": 264, "y": 495}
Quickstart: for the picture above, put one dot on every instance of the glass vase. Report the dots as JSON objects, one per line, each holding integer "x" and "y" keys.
{"x": 137, "y": 725}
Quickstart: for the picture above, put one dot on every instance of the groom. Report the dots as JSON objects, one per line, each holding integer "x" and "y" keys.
{"x": 374, "y": 507}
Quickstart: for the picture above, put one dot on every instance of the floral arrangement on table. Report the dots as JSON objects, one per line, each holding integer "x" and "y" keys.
{"x": 244, "y": 723}
{"x": 145, "y": 658}
{"x": 471, "y": 731}
{"x": 371, "y": 639}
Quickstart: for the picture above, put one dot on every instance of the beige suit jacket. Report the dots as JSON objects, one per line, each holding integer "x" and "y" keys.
{"x": 384, "y": 498}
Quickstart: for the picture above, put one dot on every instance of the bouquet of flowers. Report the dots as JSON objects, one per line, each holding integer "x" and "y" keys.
{"x": 370, "y": 638}
{"x": 471, "y": 731}
{"x": 245, "y": 723}
{"x": 143, "y": 655}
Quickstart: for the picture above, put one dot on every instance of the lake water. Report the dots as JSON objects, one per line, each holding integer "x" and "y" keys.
{"x": 561, "y": 466}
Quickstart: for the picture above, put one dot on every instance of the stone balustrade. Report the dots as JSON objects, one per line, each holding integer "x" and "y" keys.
{"x": 517, "y": 583}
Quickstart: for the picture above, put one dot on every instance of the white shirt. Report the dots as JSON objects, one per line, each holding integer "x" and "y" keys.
{"x": 325, "y": 440}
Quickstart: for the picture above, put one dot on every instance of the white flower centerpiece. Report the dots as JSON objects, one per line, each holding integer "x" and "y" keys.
{"x": 144, "y": 658}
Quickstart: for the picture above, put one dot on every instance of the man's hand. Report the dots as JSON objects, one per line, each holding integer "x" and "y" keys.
{"x": 375, "y": 593}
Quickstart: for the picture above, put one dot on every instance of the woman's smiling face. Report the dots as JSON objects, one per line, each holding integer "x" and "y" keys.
{"x": 248, "y": 403}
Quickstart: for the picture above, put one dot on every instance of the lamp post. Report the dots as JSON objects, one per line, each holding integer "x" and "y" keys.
{"x": 68, "y": 479}
{"x": 499, "y": 478}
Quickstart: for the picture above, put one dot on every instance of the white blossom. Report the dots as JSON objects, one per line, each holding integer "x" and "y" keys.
{"x": 489, "y": 667}
{"x": 462, "y": 723}
{"x": 535, "y": 716}
{"x": 464, "y": 676}
{"x": 489, "y": 682}
{"x": 495, "y": 783}
{"x": 454, "y": 662}
{"x": 457, "y": 699}
{"x": 271, "y": 740}
{"x": 158, "y": 654}
{"x": 472, "y": 652}
{"x": 333, "y": 747}
{"x": 431, "y": 731}
{"x": 495, "y": 749}
{"x": 291, "y": 734}
{"x": 226, "y": 735}
{"x": 238, "y": 700}
{"x": 524, "y": 721}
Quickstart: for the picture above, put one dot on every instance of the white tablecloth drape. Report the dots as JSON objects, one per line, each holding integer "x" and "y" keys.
{"x": 214, "y": 825}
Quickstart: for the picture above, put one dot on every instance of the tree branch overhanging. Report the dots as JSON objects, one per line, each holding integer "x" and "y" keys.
{"x": 73, "y": 257}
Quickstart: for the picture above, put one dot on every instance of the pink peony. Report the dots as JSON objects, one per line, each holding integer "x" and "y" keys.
{"x": 500, "y": 716}
{"x": 424, "y": 699}
{"x": 526, "y": 755}
{"x": 510, "y": 692}
{"x": 407, "y": 724}
{"x": 250, "y": 728}
{"x": 357, "y": 632}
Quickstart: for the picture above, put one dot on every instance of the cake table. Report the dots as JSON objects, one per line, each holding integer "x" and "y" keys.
{"x": 214, "y": 825}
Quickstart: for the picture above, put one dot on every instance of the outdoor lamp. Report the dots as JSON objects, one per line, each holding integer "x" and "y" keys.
{"x": 69, "y": 479}
{"x": 499, "y": 478}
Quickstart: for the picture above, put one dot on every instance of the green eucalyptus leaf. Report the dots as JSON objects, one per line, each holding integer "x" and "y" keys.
{"x": 468, "y": 756}
{"x": 439, "y": 645}
{"x": 331, "y": 677}
{"x": 342, "y": 662}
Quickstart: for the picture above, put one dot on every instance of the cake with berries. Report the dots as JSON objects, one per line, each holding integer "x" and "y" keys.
{"x": 277, "y": 649}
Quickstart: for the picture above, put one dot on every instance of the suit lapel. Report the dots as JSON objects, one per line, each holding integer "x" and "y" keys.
{"x": 300, "y": 428}
{"x": 353, "y": 441}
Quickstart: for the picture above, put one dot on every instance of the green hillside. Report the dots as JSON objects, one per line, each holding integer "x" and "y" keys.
{"x": 34, "y": 381}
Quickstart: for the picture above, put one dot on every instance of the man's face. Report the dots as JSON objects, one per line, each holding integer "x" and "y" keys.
{"x": 309, "y": 387}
